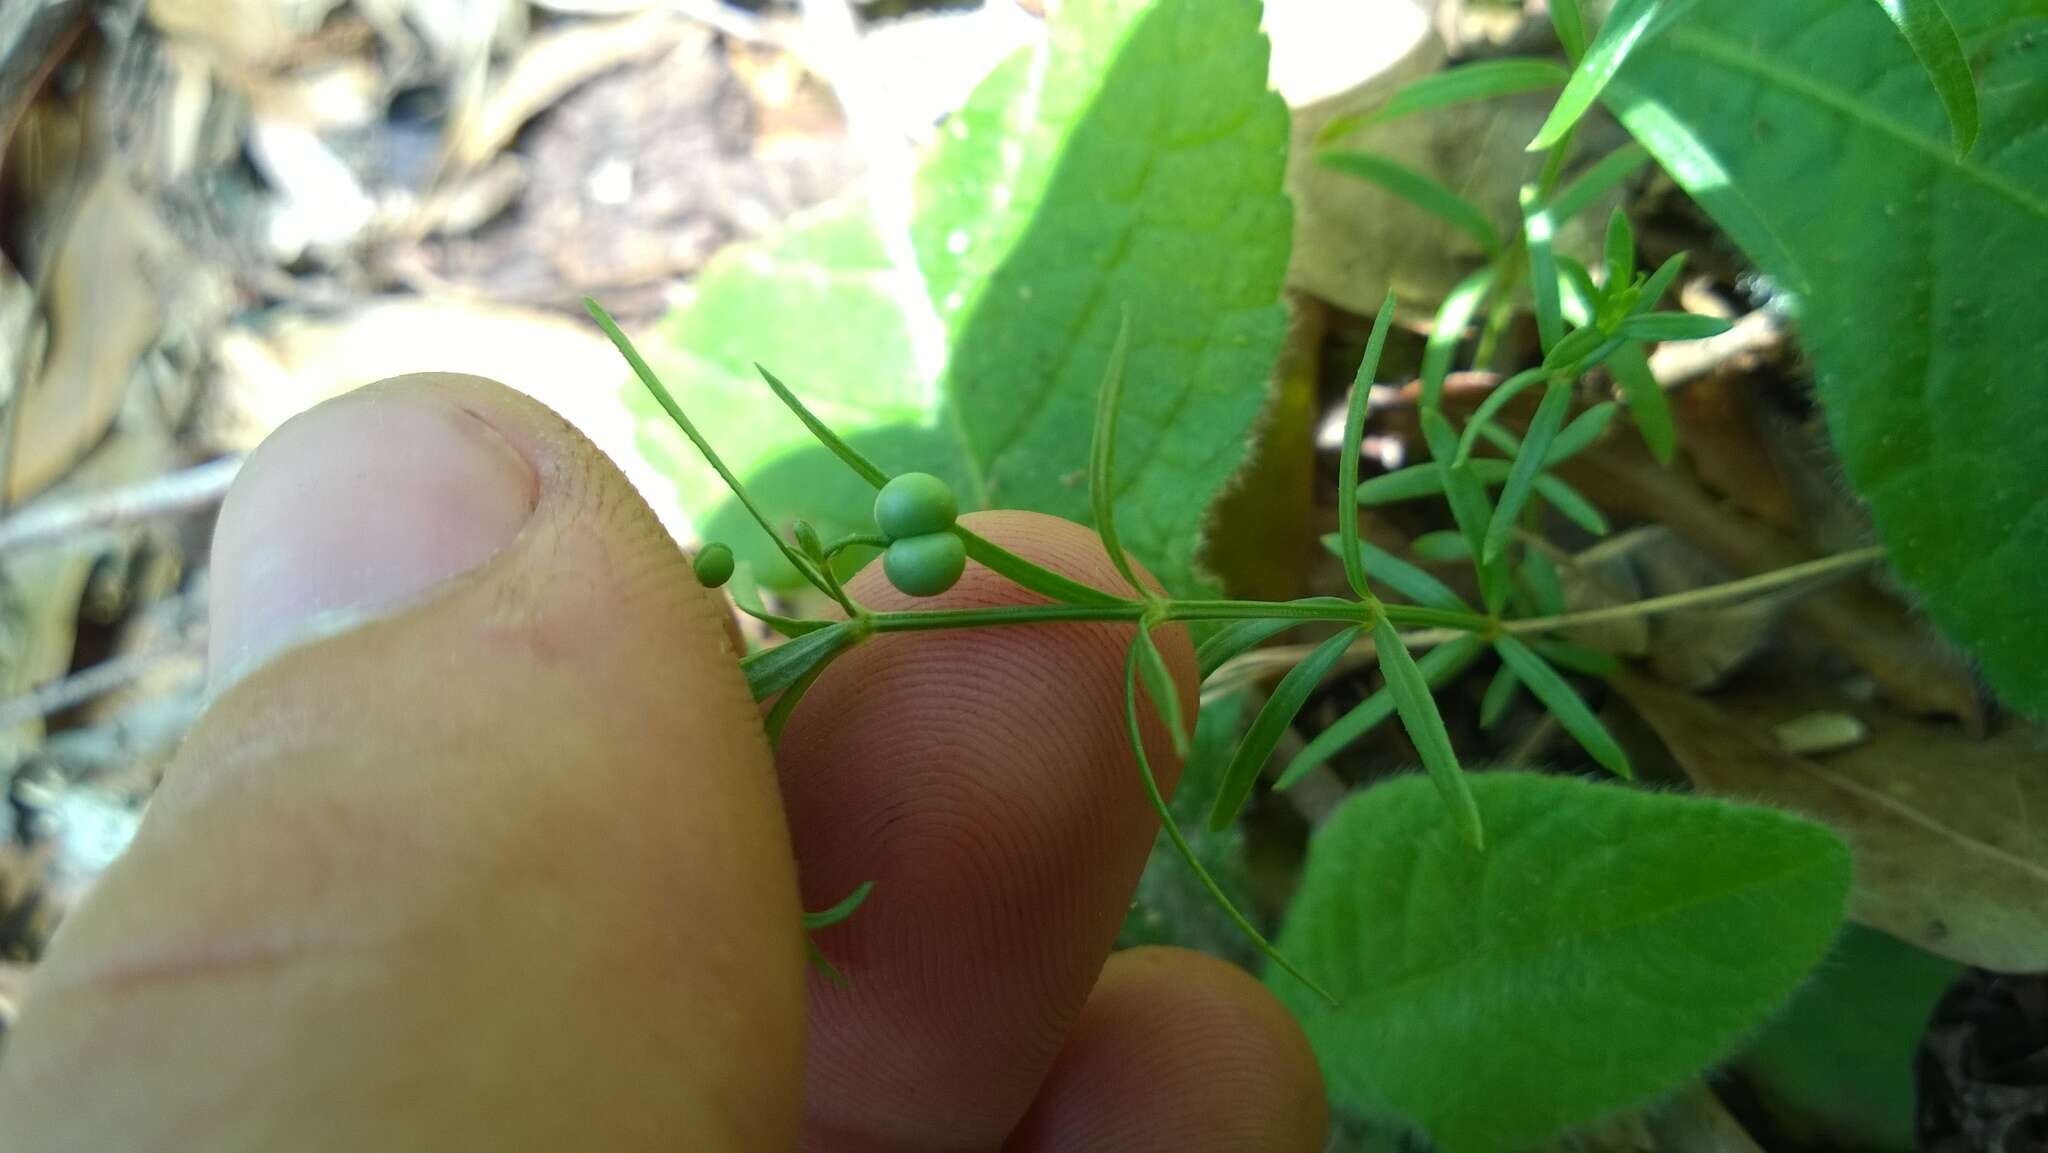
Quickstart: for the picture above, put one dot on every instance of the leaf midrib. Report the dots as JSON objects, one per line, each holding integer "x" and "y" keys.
{"x": 1727, "y": 52}
{"x": 1520, "y": 957}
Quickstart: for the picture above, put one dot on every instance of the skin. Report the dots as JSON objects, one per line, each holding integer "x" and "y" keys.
{"x": 480, "y": 845}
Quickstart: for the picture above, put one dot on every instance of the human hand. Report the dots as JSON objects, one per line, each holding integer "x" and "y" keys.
{"x": 483, "y": 848}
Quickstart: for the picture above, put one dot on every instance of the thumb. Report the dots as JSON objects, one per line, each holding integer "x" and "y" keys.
{"x": 480, "y": 848}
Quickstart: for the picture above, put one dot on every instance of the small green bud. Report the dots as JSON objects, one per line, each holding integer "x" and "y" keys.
{"x": 913, "y": 505}
{"x": 925, "y": 566}
{"x": 713, "y": 565}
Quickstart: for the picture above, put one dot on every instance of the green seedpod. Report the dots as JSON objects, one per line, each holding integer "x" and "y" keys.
{"x": 927, "y": 565}
{"x": 915, "y": 504}
{"x": 713, "y": 565}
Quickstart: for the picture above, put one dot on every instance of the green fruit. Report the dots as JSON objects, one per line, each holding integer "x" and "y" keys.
{"x": 713, "y": 565}
{"x": 925, "y": 566}
{"x": 913, "y": 505}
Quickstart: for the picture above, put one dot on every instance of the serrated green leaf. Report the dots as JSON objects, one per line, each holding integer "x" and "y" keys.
{"x": 1564, "y": 704}
{"x": 1597, "y": 181}
{"x": 1646, "y": 400}
{"x": 1671, "y": 326}
{"x": 1464, "y": 84}
{"x": 1449, "y": 329}
{"x": 1928, "y": 29}
{"x": 1439, "y": 666}
{"x": 1628, "y": 25}
{"x": 1274, "y": 718}
{"x": 1608, "y": 946}
{"x": 967, "y": 340}
{"x": 1417, "y": 188}
{"x": 1416, "y": 704}
{"x": 1514, "y": 494}
{"x": 1929, "y": 354}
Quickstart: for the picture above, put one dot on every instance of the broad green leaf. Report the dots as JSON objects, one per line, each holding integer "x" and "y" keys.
{"x": 1416, "y": 704}
{"x": 1608, "y": 946}
{"x": 1421, "y": 190}
{"x": 1439, "y": 665}
{"x": 962, "y": 330}
{"x": 1449, "y": 329}
{"x": 1911, "y": 272}
{"x": 1514, "y": 494}
{"x": 1629, "y": 24}
{"x": 1465, "y": 84}
{"x": 1272, "y": 723}
{"x": 1927, "y": 28}
{"x": 1837, "y": 1064}
{"x": 1564, "y": 704}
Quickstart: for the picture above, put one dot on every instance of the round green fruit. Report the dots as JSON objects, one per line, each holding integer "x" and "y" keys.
{"x": 913, "y": 505}
{"x": 927, "y": 565}
{"x": 713, "y": 565}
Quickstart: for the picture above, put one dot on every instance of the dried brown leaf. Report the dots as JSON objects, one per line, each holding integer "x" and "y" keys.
{"x": 1949, "y": 852}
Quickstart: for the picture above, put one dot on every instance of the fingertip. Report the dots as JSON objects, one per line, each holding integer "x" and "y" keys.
{"x": 1178, "y": 1051}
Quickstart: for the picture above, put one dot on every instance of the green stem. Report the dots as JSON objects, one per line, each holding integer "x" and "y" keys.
{"x": 1329, "y": 609}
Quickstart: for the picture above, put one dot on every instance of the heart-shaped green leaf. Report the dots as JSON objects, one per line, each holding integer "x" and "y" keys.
{"x": 1608, "y": 945}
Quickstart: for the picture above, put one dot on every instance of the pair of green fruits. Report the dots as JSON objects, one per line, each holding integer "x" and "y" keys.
{"x": 915, "y": 512}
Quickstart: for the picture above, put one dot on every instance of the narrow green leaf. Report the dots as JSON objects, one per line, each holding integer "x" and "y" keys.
{"x": 1273, "y": 720}
{"x": 1538, "y": 575}
{"x": 1413, "y": 700}
{"x": 1500, "y": 693}
{"x": 1578, "y": 296}
{"x": 1482, "y": 417}
{"x": 1421, "y": 190}
{"x": 652, "y": 383}
{"x": 1102, "y": 460}
{"x": 1173, "y": 832}
{"x": 1609, "y": 945}
{"x": 1557, "y": 399}
{"x": 1411, "y": 483}
{"x": 746, "y": 597}
{"x": 1570, "y": 22}
{"x": 1577, "y": 658}
{"x": 1932, "y": 35}
{"x": 1577, "y": 346}
{"x": 1537, "y": 232}
{"x": 1569, "y": 502}
{"x": 785, "y": 705}
{"x": 1598, "y": 180}
{"x": 1470, "y": 507}
{"x": 1659, "y": 283}
{"x": 1577, "y": 436}
{"x": 1629, "y": 24}
{"x": 1404, "y": 578}
{"x": 841, "y": 911}
{"x": 1464, "y": 84}
{"x": 1440, "y": 545}
{"x": 1646, "y": 401}
{"x": 1620, "y": 252}
{"x": 862, "y": 467}
{"x": 1439, "y": 666}
{"x": 1671, "y": 326}
{"x": 1449, "y": 329}
{"x": 1164, "y": 693}
{"x": 1030, "y": 575}
{"x": 1564, "y": 704}
{"x": 1347, "y": 461}
{"x": 772, "y": 670}
{"x": 1236, "y": 638}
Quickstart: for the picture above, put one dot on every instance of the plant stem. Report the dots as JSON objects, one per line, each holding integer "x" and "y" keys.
{"x": 1330, "y": 609}
{"x": 1712, "y": 594}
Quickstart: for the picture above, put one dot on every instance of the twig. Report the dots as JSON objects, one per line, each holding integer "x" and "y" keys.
{"x": 97, "y": 681}
{"x": 161, "y": 496}
{"x": 1712, "y": 594}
